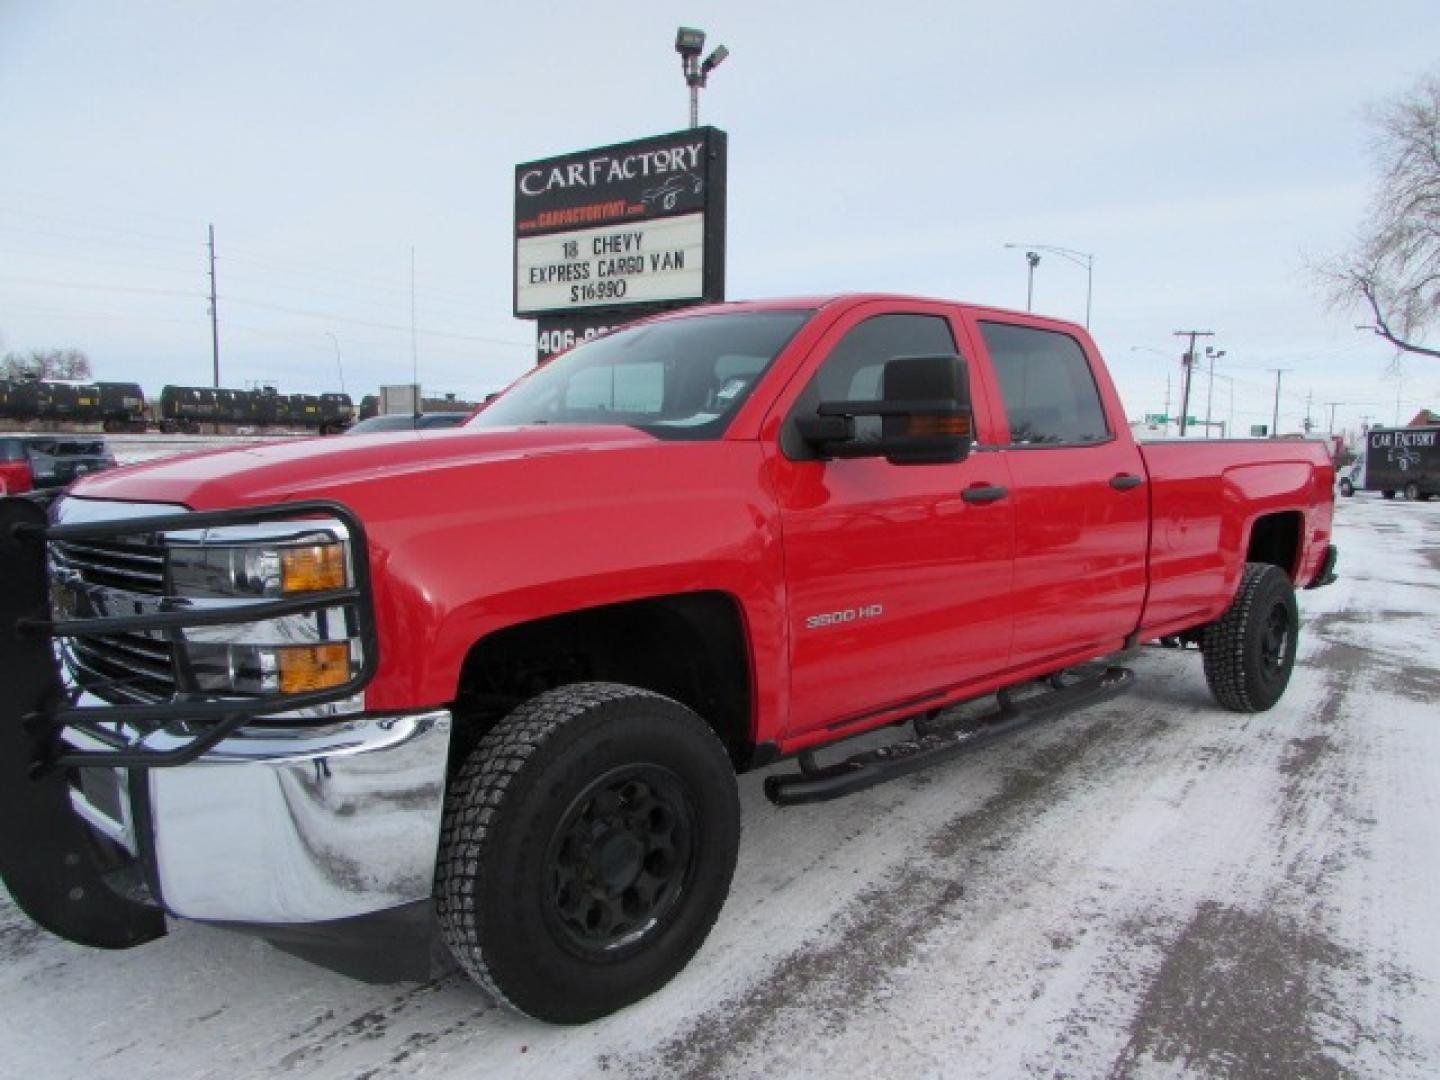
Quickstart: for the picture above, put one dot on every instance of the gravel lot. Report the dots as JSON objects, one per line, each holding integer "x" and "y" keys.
{"x": 1153, "y": 887}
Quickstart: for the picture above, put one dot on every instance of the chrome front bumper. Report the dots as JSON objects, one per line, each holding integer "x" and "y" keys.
{"x": 283, "y": 826}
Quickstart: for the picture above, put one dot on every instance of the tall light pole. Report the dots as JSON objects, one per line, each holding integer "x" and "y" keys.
{"x": 1275, "y": 415}
{"x": 690, "y": 43}
{"x": 1033, "y": 260}
{"x": 338, "y": 368}
{"x": 1212, "y": 354}
{"x": 214, "y": 312}
{"x": 1079, "y": 258}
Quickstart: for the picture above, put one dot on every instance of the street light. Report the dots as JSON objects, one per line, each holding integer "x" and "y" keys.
{"x": 690, "y": 43}
{"x": 1079, "y": 258}
{"x": 1034, "y": 261}
{"x": 1213, "y": 354}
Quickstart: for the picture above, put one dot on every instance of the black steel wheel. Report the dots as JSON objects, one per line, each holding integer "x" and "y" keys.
{"x": 1249, "y": 651}
{"x": 587, "y": 848}
{"x": 620, "y": 860}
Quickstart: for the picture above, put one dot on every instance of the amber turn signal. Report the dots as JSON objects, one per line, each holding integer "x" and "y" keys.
{"x": 940, "y": 425}
{"x": 312, "y": 568}
{"x": 313, "y": 667}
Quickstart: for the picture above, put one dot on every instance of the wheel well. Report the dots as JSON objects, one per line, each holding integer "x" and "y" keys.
{"x": 1275, "y": 539}
{"x": 690, "y": 647}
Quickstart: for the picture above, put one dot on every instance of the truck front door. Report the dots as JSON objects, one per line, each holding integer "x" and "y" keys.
{"x": 898, "y": 580}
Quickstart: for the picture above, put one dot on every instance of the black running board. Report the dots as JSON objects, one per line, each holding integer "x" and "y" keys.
{"x": 936, "y": 742}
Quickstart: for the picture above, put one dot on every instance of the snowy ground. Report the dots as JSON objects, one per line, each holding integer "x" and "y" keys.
{"x": 1151, "y": 888}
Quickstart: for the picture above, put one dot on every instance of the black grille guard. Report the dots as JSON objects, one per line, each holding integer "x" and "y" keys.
{"x": 48, "y": 856}
{"x": 201, "y": 721}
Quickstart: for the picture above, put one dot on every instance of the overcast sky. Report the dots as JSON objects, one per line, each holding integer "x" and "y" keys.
{"x": 1202, "y": 152}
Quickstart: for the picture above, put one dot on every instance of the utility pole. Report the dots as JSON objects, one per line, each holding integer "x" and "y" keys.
{"x": 338, "y": 366}
{"x": 1167, "y": 402}
{"x": 214, "y": 312}
{"x": 1034, "y": 260}
{"x": 1309, "y": 398}
{"x": 1275, "y": 415}
{"x": 1188, "y": 362}
{"x": 1332, "y": 404}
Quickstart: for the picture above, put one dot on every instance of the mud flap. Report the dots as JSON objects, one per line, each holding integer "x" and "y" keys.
{"x": 46, "y": 857}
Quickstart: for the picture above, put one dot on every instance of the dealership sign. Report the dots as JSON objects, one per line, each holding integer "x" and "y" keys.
{"x": 637, "y": 227}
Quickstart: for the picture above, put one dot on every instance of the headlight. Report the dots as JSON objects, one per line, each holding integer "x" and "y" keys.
{"x": 287, "y": 654}
{"x": 250, "y": 571}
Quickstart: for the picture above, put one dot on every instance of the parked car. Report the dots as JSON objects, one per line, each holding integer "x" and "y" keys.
{"x": 408, "y": 422}
{"x": 493, "y": 689}
{"x": 29, "y": 462}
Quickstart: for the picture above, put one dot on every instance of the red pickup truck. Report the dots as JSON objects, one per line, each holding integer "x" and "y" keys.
{"x": 490, "y": 687}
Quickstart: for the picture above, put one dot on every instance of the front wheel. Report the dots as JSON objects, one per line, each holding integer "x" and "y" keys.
{"x": 1347, "y": 489}
{"x": 1387, "y": 494}
{"x": 1250, "y": 650}
{"x": 1412, "y": 492}
{"x": 587, "y": 848}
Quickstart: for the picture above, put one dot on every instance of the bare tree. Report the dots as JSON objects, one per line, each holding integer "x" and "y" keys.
{"x": 1393, "y": 271}
{"x": 45, "y": 364}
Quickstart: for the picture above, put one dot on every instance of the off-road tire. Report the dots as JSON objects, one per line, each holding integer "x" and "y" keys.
{"x": 1412, "y": 492}
{"x": 512, "y": 814}
{"x": 1250, "y": 650}
{"x": 1347, "y": 489}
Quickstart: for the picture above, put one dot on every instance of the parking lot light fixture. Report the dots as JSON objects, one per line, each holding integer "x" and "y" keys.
{"x": 690, "y": 43}
{"x": 1079, "y": 258}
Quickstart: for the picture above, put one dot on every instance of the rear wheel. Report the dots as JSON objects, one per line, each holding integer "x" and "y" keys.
{"x": 1250, "y": 650}
{"x": 1387, "y": 494}
{"x": 1347, "y": 489}
{"x": 587, "y": 849}
{"x": 1412, "y": 492}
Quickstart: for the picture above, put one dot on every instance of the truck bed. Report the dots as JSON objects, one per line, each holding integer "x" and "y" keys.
{"x": 1204, "y": 497}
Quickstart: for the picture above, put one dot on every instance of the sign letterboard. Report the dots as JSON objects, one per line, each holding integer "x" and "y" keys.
{"x": 638, "y": 226}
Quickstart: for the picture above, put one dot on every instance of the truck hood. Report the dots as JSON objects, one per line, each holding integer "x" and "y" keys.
{"x": 311, "y": 468}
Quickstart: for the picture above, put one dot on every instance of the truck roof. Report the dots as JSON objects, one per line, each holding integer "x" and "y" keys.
{"x": 817, "y": 302}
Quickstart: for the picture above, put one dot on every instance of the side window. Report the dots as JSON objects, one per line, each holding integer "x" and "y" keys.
{"x": 1049, "y": 390}
{"x": 852, "y": 370}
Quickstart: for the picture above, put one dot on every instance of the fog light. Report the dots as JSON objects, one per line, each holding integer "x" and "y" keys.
{"x": 305, "y": 668}
{"x": 312, "y": 568}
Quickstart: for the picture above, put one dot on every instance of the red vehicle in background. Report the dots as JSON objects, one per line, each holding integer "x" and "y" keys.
{"x": 492, "y": 685}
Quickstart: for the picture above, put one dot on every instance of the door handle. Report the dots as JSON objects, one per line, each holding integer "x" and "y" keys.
{"x": 983, "y": 493}
{"x": 1126, "y": 481}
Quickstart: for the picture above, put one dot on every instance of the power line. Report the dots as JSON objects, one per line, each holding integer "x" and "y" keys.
{"x": 93, "y": 287}
{"x": 377, "y": 325}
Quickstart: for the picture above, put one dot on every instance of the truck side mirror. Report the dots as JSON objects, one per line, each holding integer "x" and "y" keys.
{"x": 924, "y": 410}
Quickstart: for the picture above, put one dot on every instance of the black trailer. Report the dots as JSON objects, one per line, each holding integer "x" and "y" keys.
{"x": 1403, "y": 460}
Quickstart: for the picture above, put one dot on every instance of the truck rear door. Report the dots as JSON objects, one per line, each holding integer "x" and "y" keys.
{"x": 1078, "y": 486}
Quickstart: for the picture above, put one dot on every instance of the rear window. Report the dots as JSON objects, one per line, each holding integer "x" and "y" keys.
{"x": 1049, "y": 390}
{"x": 11, "y": 450}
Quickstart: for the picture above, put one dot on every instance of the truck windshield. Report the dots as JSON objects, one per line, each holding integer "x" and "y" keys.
{"x": 677, "y": 379}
